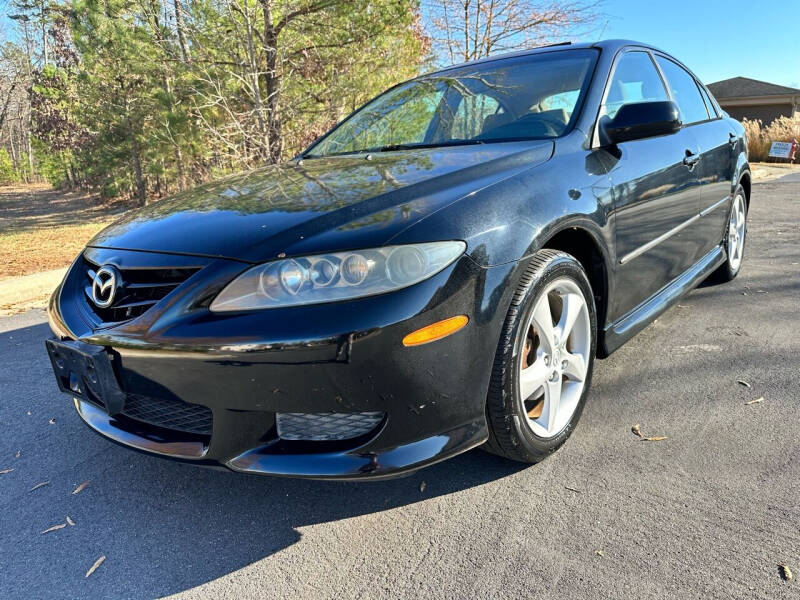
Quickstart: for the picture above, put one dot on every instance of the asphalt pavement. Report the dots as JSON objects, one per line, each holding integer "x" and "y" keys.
{"x": 710, "y": 512}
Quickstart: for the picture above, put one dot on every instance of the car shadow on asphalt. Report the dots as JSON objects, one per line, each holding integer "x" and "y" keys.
{"x": 164, "y": 526}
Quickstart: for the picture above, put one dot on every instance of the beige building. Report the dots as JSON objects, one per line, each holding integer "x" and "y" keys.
{"x": 742, "y": 97}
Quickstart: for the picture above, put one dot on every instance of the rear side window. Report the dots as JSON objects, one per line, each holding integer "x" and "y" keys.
{"x": 709, "y": 104}
{"x": 635, "y": 79}
{"x": 684, "y": 91}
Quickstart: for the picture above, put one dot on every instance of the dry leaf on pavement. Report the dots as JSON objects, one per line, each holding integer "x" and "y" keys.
{"x": 52, "y": 421}
{"x": 743, "y": 382}
{"x": 38, "y": 485}
{"x": 786, "y": 572}
{"x": 96, "y": 564}
{"x": 81, "y": 487}
{"x": 54, "y": 528}
{"x": 756, "y": 401}
{"x": 4, "y": 471}
{"x": 636, "y": 431}
{"x": 654, "y": 438}
{"x": 70, "y": 522}
{"x": 19, "y": 453}
{"x": 599, "y": 553}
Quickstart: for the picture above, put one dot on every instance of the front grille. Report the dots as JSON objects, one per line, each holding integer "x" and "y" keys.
{"x": 139, "y": 290}
{"x": 326, "y": 426}
{"x": 169, "y": 414}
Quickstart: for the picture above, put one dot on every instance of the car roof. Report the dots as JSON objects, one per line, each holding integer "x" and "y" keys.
{"x": 609, "y": 45}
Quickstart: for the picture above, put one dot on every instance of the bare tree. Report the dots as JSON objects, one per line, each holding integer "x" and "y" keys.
{"x": 464, "y": 30}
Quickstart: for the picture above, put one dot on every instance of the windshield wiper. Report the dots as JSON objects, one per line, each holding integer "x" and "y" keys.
{"x": 392, "y": 147}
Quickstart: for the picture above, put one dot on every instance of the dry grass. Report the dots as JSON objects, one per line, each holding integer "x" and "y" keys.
{"x": 42, "y": 228}
{"x": 759, "y": 138}
{"x": 43, "y": 249}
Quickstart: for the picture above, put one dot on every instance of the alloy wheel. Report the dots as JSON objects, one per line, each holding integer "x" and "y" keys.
{"x": 554, "y": 358}
{"x": 736, "y": 233}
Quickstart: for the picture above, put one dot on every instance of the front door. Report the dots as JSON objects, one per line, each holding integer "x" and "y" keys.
{"x": 716, "y": 164}
{"x": 656, "y": 192}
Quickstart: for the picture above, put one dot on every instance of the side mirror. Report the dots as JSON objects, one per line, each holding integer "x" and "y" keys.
{"x": 641, "y": 120}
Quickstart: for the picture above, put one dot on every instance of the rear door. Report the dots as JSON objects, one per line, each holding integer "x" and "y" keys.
{"x": 716, "y": 142}
{"x": 656, "y": 194}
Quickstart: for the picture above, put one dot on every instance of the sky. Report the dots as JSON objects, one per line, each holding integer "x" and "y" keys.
{"x": 717, "y": 39}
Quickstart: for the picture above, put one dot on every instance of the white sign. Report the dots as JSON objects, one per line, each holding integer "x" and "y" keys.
{"x": 781, "y": 149}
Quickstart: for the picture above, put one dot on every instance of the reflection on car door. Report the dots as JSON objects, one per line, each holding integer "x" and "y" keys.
{"x": 655, "y": 193}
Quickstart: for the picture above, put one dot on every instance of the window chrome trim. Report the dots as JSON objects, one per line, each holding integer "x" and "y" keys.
{"x": 665, "y": 236}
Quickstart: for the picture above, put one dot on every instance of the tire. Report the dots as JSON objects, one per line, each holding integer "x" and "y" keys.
{"x": 524, "y": 428}
{"x": 734, "y": 240}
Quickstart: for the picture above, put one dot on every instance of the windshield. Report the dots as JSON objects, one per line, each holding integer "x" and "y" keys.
{"x": 527, "y": 97}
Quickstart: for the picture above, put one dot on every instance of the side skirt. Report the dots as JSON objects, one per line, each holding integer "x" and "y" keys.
{"x": 640, "y": 317}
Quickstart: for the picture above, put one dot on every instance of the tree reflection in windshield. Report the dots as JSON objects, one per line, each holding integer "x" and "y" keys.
{"x": 527, "y": 97}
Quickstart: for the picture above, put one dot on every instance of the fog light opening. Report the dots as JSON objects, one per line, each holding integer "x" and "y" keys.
{"x": 435, "y": 331}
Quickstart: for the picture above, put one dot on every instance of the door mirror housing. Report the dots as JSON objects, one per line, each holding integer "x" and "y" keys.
{"x": 640, "y": 120}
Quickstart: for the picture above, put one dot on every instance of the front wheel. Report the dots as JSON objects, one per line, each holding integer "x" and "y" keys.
{"x": 544, "y": 360}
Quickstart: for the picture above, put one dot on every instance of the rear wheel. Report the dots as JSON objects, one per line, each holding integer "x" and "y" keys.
{"x": 543, "y": 365}
{"x": 734, "y": 240}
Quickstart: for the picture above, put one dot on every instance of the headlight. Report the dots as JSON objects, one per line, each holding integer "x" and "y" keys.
{"x": 335, "y": 276}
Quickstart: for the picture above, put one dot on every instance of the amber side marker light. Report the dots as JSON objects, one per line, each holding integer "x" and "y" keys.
{"x": 435, "y": 331}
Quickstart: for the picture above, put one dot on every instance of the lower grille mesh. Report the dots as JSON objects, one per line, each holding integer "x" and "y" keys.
{"x": 169, "y": 414}
{"x": 326, "y": 426}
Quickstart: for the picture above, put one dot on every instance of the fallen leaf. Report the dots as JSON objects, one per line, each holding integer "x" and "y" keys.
{"x": 742, "y": 382}
{"x": 70, "y": 522}
{"x": 636, "y": 431}
{"x": 19, "y": 452}
{"x": 54, "y": 528}
{"x": 599, "y": 553}
{"x": 80, "y": 488}
{"x": 566, "y": 487}
{"x": 4, "y": 471}
{"x": 654, "y": 438}
{"x": 756, "y": 401}
{"x": 93, "y": 568}
{"x": 786, "y": 572}
{"x": 38, "y": 485}
{"x": 52, "y": 421}
{"x": 422, "y": 487}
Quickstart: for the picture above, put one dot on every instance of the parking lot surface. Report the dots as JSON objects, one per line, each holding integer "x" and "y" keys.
{"x": 709, "y": 512}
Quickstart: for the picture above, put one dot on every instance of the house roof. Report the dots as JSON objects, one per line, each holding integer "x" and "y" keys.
{"x": 744, "y": 87}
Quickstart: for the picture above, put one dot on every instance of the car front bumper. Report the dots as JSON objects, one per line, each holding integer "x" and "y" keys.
{"x": 339, "y": 359}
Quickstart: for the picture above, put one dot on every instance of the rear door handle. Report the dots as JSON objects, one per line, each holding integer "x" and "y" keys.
{"x": 691, "y": 159}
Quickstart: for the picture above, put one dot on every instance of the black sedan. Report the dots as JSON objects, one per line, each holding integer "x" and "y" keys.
{"x": 438, "y": 272}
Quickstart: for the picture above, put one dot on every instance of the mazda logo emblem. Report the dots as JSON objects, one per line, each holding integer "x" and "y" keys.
{"x": 104, "y": 286}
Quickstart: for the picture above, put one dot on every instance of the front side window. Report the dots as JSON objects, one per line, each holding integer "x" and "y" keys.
{"x": 684, "y": 91}
{"x": 635, "y": 79}
{"x": 527, "y": 97}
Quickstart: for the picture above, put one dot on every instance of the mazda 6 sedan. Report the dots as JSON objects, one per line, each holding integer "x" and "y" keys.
{"x": 437, "y": 272}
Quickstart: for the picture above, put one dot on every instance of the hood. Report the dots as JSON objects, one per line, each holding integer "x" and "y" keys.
{"x": 321, "y": 205}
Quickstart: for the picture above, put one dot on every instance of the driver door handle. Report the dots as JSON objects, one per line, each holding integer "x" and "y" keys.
{"x": 690, "y": 160}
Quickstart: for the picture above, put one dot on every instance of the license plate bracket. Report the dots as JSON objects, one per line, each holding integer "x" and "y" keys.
{"x": 85, "y": 371}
